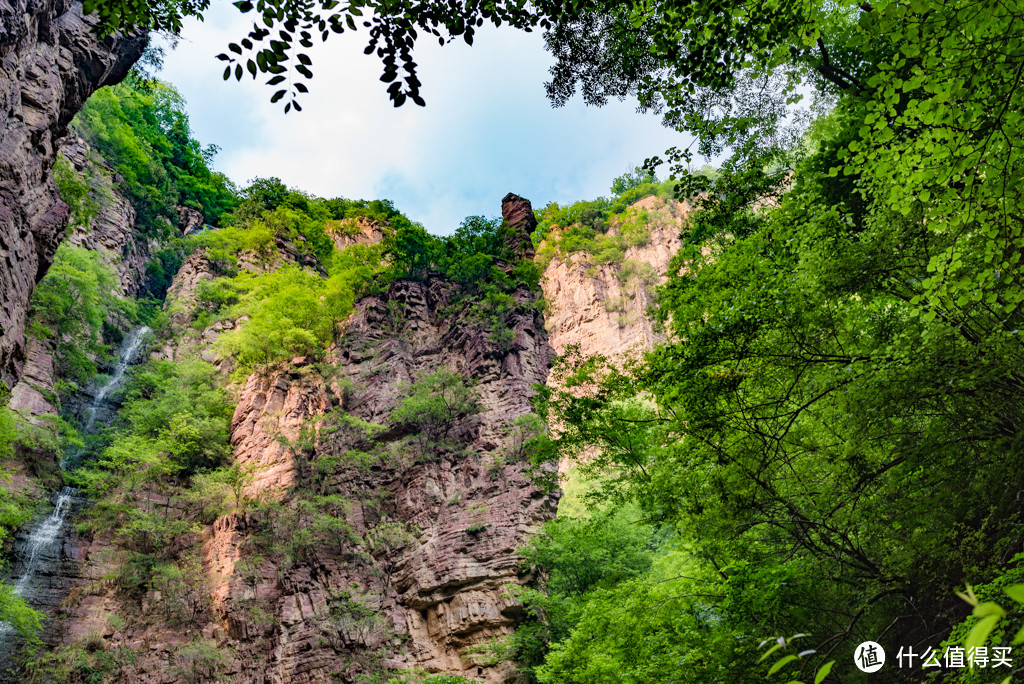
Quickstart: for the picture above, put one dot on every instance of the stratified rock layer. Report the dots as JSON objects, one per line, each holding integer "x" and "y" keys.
{"x": 50, "y": 62}
{"x": 464, "y": 507}
{"x": 603, "y": 309}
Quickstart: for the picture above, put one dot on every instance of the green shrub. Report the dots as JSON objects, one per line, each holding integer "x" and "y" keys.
{"x": 434, "y": 403}
{"x": 76, "y": 191}
{"x": 291, "y": 312}
{"x": 70, "y": 305}
{"x": 141, "y": 129}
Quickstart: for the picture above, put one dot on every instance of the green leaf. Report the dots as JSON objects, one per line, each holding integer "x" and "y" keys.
{"x": 980, "y": 632}
{"x": 781, "y": 663}
{"x": 823, "y": 672}
{"x": 988, "y": 608}
{"x": 1016, "y": 592}
{"x": 771, "y": 650}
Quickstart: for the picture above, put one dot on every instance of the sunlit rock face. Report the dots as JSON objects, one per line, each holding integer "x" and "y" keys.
{"x": 466, "y": 506}
{"x": 50, "y": 62}
{"x": 604, "y": 308}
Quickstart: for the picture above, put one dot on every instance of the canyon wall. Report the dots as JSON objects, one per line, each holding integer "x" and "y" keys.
{"x": 410, "y": 561}
{"x": 111, "y": 232}
{"x": 50, "y": 62}
{"x": 423, "y": 570}
{"x": 603, "y": 308}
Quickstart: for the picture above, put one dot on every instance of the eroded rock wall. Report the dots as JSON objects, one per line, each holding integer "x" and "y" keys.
{"x": 111, "y": 230}
{"x": 604, "y": 308}
{"x": 50, "y": 62}
{"x": 463, "y": 508}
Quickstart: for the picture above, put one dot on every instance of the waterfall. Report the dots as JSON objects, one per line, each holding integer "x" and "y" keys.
{"x": 125, "y": 357}
{"x": 42, "y": 543}
{"x": 40, "y": 550}
{"x": 44, "y": 536}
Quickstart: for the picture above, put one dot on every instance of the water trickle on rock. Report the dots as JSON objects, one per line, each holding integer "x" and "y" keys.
{"x": 126, "y": 356}
{"x": 40, "y": 552}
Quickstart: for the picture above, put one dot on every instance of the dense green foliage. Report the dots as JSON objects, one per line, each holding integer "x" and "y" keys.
{"x": 828, "y": 440}
{"x": 831, "y": 431}
{"x": 280, "y": 270}
{"x": 173, "y": 424}
{"x": 141, "y": 129}
{"x": 295, "y": 310}
{"x": 70, "y": 307}
{"x": 434, "y": 403}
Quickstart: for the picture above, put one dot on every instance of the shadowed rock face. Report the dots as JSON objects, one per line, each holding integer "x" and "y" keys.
{"x": 518, "y": 213}
{"x": 50, "y": 62}
{"x": 112, "y": 229}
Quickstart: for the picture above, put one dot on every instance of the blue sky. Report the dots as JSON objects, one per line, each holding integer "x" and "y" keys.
{"x": 487, "y": 128}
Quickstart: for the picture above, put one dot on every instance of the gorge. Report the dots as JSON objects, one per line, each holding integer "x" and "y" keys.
{"x": 254, "y": 434}
{"x": 318, "y": 567}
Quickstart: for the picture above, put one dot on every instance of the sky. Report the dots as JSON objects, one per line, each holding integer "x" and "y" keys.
{"x": 487, "y": 128}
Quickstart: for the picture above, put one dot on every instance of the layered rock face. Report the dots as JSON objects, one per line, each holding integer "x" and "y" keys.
{"x": 604, "y": 308}
{"x": 111, "y": 230}
{"x": 445, "y": 520}
{"x": 28, "y": 397}
{"x": 469, "y": 508}
{"x": 421, "y": 568}
{"x": 50, "y": 62}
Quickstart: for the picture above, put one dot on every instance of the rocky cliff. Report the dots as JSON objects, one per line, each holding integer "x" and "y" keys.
{"x": 111, "y": 232}
{"x": 603, "y": 308}
{"x": 410, "y": 539}
{"x": 50, "y": 62}
{"x": 365, "y": 545}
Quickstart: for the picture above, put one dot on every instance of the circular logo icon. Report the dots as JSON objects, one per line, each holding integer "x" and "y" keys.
{"x": 869, "y": 656}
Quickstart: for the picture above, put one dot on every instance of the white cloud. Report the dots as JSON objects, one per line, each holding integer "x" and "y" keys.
{"x": 486, "y": 130}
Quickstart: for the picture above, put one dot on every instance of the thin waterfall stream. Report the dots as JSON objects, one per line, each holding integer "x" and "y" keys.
{"x": 127, "y": 355}
{"x": 40, "y": 551}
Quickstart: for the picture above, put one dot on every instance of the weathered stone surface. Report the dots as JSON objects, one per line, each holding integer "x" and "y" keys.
{"x": 597, "y": 307}
{"x": 111, "y": 231}
{"x": 29, "y": 396}
{"x": 181, "y": 295}
{"x": 518, "y": 213}
{"x": 50, "y": 63}
{"x": 446, "y": 590}
{"x": 190, "y": 220}
{"x": 351, "y": 232}
{"x": 467, "y": 506}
